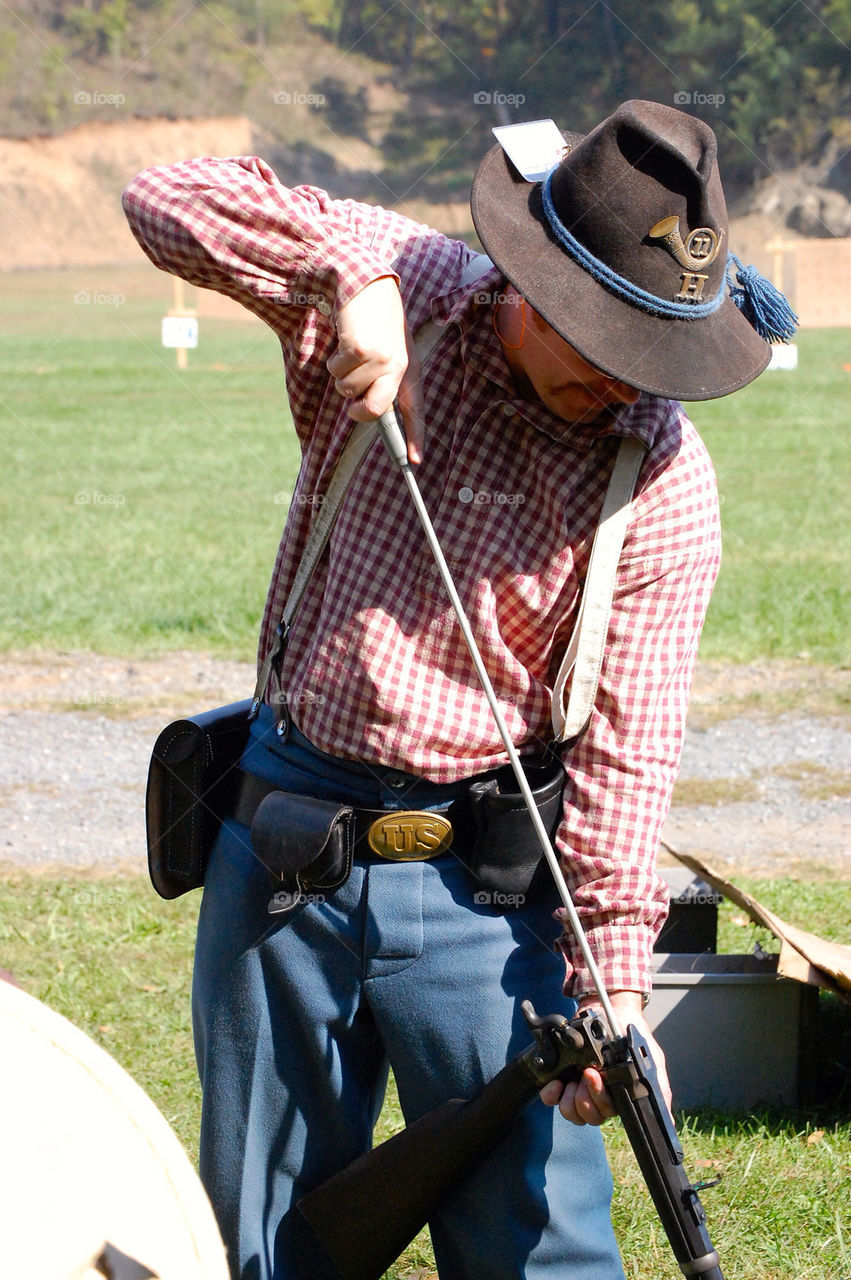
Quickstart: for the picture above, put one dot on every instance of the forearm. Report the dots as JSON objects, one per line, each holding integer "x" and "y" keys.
{"x": 609, "y": 860}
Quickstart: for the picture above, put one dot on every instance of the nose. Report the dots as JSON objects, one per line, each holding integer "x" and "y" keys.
{"x": 612, "y": 389}
{"x": 625, "y": 392}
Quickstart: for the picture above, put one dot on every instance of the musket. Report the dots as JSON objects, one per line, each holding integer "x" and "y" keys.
{"x": 364, "y": 1217}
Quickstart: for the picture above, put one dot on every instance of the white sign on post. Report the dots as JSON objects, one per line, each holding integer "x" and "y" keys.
{"x": 783, "y": 356}
{"x": 180, "y": 331}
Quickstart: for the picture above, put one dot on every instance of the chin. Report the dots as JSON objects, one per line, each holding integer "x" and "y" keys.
{"x": 588, "y": 417}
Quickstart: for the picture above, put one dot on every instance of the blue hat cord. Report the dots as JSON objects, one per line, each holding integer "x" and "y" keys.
{"x": 761, "y": 303}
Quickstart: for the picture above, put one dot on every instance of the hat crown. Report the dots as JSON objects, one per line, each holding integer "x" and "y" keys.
{"x": 622, "y": 249}
{"x": 642, "y": 193}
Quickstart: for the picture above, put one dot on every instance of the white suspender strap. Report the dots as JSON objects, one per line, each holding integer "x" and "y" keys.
{"x": 360, "y": 440}
{"x": 584, "y": 654}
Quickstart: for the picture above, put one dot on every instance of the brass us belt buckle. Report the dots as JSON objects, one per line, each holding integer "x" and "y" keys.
{"x": 410, "y": 835}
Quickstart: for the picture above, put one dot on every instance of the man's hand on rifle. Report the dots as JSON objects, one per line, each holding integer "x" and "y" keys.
{"x": 587, "y": 1101}
{"x": 375, "y": 361}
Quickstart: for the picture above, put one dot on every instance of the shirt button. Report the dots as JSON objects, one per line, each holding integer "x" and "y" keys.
{"x": 508, "y": 410}
{"x": 396, "y": 782}
{"x": 324, "y": 307}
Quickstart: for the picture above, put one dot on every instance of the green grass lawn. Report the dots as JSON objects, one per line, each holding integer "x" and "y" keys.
{"x": 116, "y": 960}
{"x": 782, "y": 456}
{"x": 141, "y": 506}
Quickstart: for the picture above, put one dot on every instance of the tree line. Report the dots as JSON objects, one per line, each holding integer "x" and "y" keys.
{"x": 773, "y": 77}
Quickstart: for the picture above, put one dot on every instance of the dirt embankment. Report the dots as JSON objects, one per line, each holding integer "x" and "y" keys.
{"x": 60, "y": 196}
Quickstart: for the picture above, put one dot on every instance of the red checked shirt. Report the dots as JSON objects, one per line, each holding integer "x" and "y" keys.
{"x": 376, "y": 668}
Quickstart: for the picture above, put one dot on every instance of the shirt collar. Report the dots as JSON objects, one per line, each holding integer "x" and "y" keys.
{"x": 481, "y": 351}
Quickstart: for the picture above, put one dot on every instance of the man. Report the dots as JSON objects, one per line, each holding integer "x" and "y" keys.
{"x": 607, "y": 299}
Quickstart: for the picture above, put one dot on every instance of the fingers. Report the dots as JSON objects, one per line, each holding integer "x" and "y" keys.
{"x": 375, "y": 362}
{"x": 585, "y": 1101}
{"x": 368, "y": 379}
{"x": 410, "y": 398}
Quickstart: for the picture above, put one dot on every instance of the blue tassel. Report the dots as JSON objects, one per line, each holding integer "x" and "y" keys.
{"x": 762, "y": 305}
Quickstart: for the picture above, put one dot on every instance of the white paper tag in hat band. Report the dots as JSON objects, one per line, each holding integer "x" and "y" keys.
{"x": 533, "y": 148}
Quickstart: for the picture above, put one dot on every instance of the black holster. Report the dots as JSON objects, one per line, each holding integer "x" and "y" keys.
{"x": 191, "y": 785}
{"x": 506, "y": 851}
{"x": 307, "y": 844}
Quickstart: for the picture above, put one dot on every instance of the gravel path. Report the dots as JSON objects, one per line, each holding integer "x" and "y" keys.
{"x": 759, "y": 791}
{"x": 791, "y": 773}
{"x": 76, "y": 732}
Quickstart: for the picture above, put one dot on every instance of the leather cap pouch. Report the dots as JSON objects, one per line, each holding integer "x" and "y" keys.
{"x": 305, "y": 843}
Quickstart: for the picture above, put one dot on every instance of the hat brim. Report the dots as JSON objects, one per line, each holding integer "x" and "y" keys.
{"x": 681, "y": 359}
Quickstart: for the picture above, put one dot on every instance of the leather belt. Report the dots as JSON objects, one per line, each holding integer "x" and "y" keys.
{"x": 400, "y": 835}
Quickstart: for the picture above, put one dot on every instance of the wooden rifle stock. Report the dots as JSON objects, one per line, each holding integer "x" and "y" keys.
{"x": 364, "y": 1217}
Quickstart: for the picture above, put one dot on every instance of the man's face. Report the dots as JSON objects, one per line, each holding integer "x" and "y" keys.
{"x": 548, "y": 367}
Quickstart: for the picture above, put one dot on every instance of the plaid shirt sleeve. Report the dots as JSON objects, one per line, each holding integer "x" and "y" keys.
{"x": 622, "y": 771}
{"x": 229, "y": 225}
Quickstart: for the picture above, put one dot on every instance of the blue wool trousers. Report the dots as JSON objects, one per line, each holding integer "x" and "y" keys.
{"x": 297, "y": 1019}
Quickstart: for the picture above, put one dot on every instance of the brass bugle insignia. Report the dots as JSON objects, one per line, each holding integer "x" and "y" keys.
{"x": 696, "y": 252}
{"x": 410, "y": 835}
